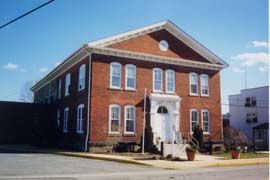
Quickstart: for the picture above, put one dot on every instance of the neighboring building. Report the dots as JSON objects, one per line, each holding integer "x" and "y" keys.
{"x": 99, "y": 89}
{"x": 226, "y": 120}
{"x": 250, "y": 109}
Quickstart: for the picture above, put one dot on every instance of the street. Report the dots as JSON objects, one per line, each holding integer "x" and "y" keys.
{"x": 48, "y": 166}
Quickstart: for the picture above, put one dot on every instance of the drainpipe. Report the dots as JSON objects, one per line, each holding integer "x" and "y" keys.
{"x": 88, "y": 105}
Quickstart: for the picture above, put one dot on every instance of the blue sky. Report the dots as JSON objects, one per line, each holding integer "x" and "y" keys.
{"x": 237, "y": 31}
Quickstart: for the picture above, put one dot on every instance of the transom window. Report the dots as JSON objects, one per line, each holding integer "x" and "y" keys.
{"x": 80, "y": 110}
{"x": 170, "y": 81}
{"x": 162, "y": 110}
{"x": 114, "y": 120}
{"x": 130, "y": 76}
{"x": 67, "y": 85}
{"x": 115, "y": 72}
{"x": 193, "y": 82}
{"x": 130, "y": 116}
{"x": 81, "y": 83}
{"x": 194, "y": 119}
{"x": 204, "y": 85}
{"x": 65, "y": 125}
{"x": 205, "y": 121}
{"x": 157, "y": 78}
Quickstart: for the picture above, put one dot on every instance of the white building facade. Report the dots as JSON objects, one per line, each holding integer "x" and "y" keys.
{"x": 249, "y": 109}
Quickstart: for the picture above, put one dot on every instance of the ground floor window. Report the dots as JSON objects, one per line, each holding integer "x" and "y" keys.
{"x": 205, "y": 121}
{"x": 114, "y": 120}
{"x": 80, "y": 110}
{"x": 130, "y": 119}
{"x": 194, "y": 119}
{"x": 65, "y": 125}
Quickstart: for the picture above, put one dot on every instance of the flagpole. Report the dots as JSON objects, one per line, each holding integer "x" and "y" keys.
{"x": 144, "y": 108}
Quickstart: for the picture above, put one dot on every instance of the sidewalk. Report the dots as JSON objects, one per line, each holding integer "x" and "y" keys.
{"x": 200, "y": 160}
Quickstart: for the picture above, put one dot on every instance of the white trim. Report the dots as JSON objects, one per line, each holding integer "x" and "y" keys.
{"x": 191, "y": 93}
{"x": 59, "y": 88}
{"x": 209, "y": 121}
{"x": 117, "y": 106}
{"x": 67, "y": 84}
{"x": 82, "y": 72}
{"x": 80, "y": 119}
{"x": 153, "y": 80}
{"x": 65, "y": 122}
{"x": 126, "y": 78}
{"x": 130, "y": 132}
{"x": 120, "y": 76}
{"x": 190, "y": 118}
{"x": 201, "y": 79}
{"x": 167, "y": 71}
{"x": 88, "y": 104}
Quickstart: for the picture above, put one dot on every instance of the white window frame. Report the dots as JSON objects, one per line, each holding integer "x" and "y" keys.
{"x": 167, "y": 72}
{"x": 58, "y": 116}
{"x": 67, "y": 84}
{"x": 161, "y": 82}
{"x": 207, "y": 77}
{"x": 134, "y": 120}
{"x": 59, "y": 88}
{"x": 130, "y": 66}
{"x": 65, "y": 123}
{"x": 80, "y": 110}
{"x": 208, "y": 121}
{"x": 191, "y": 93}
{"x": 120, "y": 78}
{"x": 191, "y": 110}
{"x": 110, "y": 113}
{"x": 81, "y": 80}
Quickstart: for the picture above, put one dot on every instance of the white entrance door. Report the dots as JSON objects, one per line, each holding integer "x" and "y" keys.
{"x": 164, "y": 128}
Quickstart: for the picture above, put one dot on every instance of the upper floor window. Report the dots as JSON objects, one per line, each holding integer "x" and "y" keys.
{"x": 205, "y": 121}
{"x": 115, "y": 75}
{"x": 193, "y": 82}
{"x": 67, "y": 85}
{"x": 194, "y": 119}
{"x": 204, "y": 85}
{"x": 58, "y": 118}
{"x": 130, "y": 116}
{"x": 130, "y": 76}
{"x": 251, "y": 101}
{"x": 170, "y": 81}
{"x": 114, "y": 118}
{"x": 80, "y": 110}
{"x": 157, "y": 80}
{"x": 65, "y": 125}
{"x": 59, "y": 88}
{"x": 81, "y": 83}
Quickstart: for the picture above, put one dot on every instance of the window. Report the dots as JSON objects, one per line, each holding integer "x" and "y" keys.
{"x": 252, "y": 118}
{"x": 67, "y": 85}
{"x": 170, "y": 81}
{"x": 80, "y": 118}
{"x": 194, "y": 119}
{"x": 130, "y": 117}
{"x": 58, "y": 118}
{"x": 157, "y": 78}
{"x": 65, "y": 125}
{"x": 251, "y": 101}
{"x": 115, "y": 79}
{"x": 114, "y": 120}
{"x": 130, "y": 76}
{"x": 259, "y": 134}
{"x": 193, "y": 82}
{"x": 162, "y": 110}
{"x": 205, "y": 121}
{"x": 81, "y": 83}
{"x": 204, "y": 85}
{"x": 59, "y": 88}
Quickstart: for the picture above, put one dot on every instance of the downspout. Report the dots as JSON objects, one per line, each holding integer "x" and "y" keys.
{"x": 88, "y": 104}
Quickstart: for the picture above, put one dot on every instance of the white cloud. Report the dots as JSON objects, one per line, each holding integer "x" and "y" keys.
{"x": 58, "y": 63}
{"x": 260, "y": 44}
{"x": 238, "y": 70}
{"x": 263, "y": 69}
{"x": 11, "y": 66}
{"x": 251, "y": 59}
{"x": 44, "y": 69}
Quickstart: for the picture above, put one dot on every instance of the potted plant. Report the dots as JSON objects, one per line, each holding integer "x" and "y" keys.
{"x": 190, "y": 151}
{"x": 235, "y": 152}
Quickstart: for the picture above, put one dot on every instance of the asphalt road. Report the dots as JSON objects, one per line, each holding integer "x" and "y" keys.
{"x": 53, "y": 167}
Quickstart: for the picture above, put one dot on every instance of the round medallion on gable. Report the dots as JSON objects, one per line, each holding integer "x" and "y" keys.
{"x": 163, "y": 45}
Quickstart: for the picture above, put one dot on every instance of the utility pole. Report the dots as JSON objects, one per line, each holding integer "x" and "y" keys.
{"x": 144, "y": 108}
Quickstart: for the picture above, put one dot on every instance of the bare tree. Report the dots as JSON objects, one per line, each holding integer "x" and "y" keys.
{"x": 26, "y": 95}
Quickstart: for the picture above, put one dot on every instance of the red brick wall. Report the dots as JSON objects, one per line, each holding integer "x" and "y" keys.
{"x": 102, "y": 97}
{"x": 149, "y": 44}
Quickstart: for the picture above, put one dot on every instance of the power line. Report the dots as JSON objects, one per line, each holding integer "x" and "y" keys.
{"x": 25, "y": 14}
{"x": 243, "y": 106}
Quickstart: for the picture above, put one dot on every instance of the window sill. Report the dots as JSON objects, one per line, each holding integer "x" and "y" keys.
{"x": 65, "y": 132}
{"x": 206, "y": 96}
{"x": 129, "y": 134}
{"x": 81, "y": 89}
{"x": 159, "y": 92}
{"x": 79, "y": 132}
{"x": 115, "y": 88}
{"x": 206, "y": 133}
{"x": 128, "y": 89}
{"x": 195, "y": 95}
{"x": 173, "y": 93}
{"x": 114, "y": 135}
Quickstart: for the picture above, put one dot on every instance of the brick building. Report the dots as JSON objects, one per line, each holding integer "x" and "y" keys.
{"x": 99, "y": 89}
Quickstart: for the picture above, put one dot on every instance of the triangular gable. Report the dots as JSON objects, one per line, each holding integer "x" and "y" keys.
{"x": 194, "y": 49}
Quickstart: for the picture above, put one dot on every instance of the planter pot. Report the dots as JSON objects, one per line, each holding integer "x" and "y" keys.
{"x": 235, "y": 154}
{"x": 190, "y": 155}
